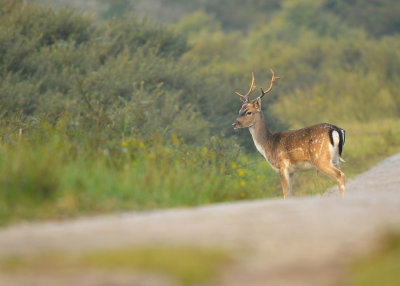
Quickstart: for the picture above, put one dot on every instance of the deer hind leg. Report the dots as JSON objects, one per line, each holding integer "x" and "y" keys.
{"x": 286, "y": 182}
{"x": 335, "y": 174}
{"x": 291, "y": 177}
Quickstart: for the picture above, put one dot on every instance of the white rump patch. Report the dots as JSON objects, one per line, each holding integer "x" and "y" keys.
{"x": 334, "y": 150}
{"x": 336, "y": 138}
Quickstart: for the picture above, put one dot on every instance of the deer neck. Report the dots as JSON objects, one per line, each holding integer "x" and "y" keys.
{"x": 261, "y": 135}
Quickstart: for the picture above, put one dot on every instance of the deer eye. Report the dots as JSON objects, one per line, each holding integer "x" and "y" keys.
{"x": 248, "y": 112}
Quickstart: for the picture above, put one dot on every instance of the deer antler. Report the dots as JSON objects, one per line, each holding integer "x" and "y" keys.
{"x": 252, "y": 88}
{"x": 274, "y": 78}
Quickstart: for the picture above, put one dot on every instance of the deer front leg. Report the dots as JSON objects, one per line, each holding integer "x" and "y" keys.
{"x": 285, "y": 181}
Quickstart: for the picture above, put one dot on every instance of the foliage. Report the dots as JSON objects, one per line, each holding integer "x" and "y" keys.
{"x": 115, "y": 8}
{"x": 185, "y": 265}
{"x": 189, "y": 265}
{"x": 55, "y": 174}
{"x": 378, "y": 268}
{"x": 110, "y": 79}
{"x": 330, "y": 72}
{"x": 378, "y": 17}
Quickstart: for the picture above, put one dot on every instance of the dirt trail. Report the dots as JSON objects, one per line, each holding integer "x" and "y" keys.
{"x": 299, "y": 241}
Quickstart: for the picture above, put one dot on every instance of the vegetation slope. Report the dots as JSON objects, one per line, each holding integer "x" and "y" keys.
{"x": 116, "y": 112}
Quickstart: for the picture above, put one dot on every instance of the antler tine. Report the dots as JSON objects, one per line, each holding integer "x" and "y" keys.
{"x": 252, "y": 88}
{"x": 273, "y": 79}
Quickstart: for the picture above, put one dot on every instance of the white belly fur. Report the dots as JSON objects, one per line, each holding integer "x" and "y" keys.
{"x": 334, "y": 150}
{"x": 303, "y": 166}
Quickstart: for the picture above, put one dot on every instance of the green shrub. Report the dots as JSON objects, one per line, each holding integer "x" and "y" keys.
{"x": 53, "y": 172}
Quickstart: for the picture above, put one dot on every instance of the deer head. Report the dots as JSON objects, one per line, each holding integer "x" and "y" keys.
{"x": 250, "y": 110}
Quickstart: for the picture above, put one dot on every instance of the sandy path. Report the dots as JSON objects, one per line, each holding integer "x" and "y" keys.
{"x": 299, "y": 241}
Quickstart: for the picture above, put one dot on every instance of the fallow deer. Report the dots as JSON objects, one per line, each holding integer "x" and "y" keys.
{"x": 319, "y": 146}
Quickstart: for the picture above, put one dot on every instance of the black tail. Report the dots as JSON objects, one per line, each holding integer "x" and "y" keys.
{"x": 342, "y": 137}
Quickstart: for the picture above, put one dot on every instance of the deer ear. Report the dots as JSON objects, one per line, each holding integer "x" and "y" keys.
{"x": 257, "y": 103}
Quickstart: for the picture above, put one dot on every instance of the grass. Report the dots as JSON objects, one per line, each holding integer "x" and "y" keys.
{"x": 379, "y": 268}
{"x": 52, "y": 176}
{"x": 189, "y": 266}
{"x": 57, "y": 178}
